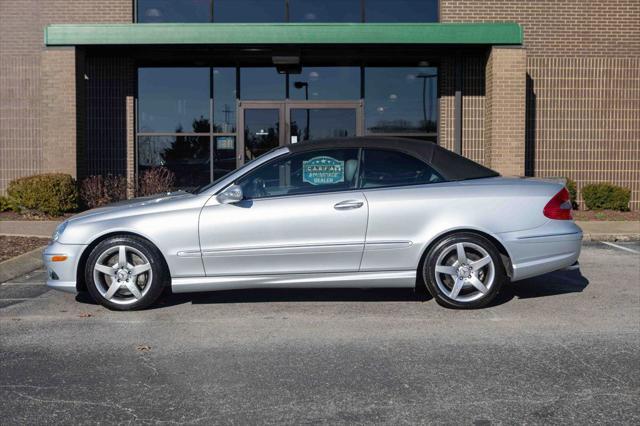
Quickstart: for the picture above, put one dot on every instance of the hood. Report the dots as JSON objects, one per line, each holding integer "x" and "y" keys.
{"x": 133, "y": 203}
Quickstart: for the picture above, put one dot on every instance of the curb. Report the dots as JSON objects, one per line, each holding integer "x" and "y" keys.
{"x": 20, "y": 265}
{"x": 594, "y": 236}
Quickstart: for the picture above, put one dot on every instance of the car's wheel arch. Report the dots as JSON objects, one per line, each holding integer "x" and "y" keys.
{"x": 504, "y": 253}
{"x": 81, "y": 285}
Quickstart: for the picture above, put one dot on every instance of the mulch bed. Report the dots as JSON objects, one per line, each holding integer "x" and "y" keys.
{"x": 14, "y": 246}
{"x": 605, "y": 215}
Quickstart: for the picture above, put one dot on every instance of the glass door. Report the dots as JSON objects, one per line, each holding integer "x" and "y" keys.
{"x": 265, "y": 125}
{"x": 261, "y": 128}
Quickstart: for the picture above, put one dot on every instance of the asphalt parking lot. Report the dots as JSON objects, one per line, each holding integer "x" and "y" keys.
{"x": 561, "y": 348}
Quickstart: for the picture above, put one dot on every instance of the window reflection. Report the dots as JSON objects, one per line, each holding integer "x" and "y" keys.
{"x": 224, "y": 155}
{"x": 186, "y": 156}
{"x": 224, "y": 100}
{"x": 249, "y": 11}
{"x": 324, "y": 11}
{"x": 401, "y": 100}
{"x": 325, "y": 83}
{"x": 262, "y": 84}
{"x": 401, "y": 11}
{"x": 314, "y": 124}
{"x": 261, "y": 131}
{"x": 173, "y": 100}
{"x": 174, "y": 11}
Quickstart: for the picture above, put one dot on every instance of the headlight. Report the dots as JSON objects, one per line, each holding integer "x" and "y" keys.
{"x": 59, "y": 230}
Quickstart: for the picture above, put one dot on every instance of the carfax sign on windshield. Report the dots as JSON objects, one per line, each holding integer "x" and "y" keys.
{"x": 322, "y": 170}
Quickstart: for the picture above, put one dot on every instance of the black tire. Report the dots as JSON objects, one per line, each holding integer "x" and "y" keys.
{"x": 443, "y": 250}
{"x": 158, "y": 274}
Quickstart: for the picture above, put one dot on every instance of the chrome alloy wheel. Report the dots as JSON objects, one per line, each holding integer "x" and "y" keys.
{"x": 464, "y": 272}
{"x": 122, "y": 274}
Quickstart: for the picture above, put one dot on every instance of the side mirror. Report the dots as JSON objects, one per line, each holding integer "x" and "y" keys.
{"x": 232, "y": 194}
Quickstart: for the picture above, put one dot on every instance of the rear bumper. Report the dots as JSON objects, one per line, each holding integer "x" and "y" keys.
{"x": 62, "y": 275}
{"x": 548, "y": 248}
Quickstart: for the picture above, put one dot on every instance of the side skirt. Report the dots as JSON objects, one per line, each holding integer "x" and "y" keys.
{"x": 317, "y": 280}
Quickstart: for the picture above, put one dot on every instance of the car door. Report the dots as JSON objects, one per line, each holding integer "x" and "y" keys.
{"x": 300, "y": 214}
{"x": 397, "y": 189}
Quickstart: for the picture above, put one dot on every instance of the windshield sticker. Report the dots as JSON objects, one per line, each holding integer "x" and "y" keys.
{"x": 322, "y": 171}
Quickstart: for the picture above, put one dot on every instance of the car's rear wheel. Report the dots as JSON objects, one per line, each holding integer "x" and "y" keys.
{"x": 464, "y": 270}
{"x": 125, "y": 273}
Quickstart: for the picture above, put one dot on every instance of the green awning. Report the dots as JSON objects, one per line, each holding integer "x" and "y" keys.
{"x": 279, "y": 34}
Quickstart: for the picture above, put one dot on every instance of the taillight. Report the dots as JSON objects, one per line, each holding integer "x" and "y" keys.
{"x": 559, "y": 207}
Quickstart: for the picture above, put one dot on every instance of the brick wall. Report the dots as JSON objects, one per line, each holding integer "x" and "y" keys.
{"x": 58, "y": 110}
{"x": 559, "y": 27}
{"x": 23, "y": 89}
{"x": 584, "y": 120}
{"x": 582, "y": 86}
{"x": 505, "y": 110}
{"x": 473, "y": 100}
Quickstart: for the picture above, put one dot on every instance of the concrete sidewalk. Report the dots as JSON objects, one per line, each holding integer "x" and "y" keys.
{"x": 28, "y": 228}
{"x": 593, "y": 230}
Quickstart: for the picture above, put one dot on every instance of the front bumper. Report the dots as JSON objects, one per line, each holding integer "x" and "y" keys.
{"x": 61, "y": 275}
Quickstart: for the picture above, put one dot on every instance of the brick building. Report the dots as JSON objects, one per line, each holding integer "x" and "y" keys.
{"x": 535, "y": 87}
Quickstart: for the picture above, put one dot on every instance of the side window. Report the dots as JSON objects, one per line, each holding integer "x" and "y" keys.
{"x": 303, "y": 173}
{"x": 390, "y": 168}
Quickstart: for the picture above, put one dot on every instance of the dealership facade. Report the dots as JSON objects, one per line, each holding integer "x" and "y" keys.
{"x": 533, "y": 87}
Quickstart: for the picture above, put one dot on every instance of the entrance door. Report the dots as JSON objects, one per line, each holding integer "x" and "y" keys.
{"x": 264, "y": 125}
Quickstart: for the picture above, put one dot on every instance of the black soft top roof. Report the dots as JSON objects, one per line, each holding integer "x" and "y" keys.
{"x": 450, "y": 165}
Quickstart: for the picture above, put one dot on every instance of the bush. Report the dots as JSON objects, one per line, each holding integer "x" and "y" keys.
{"x": 7, "y": 204}
{"x": 155, "y": 181}
{"x": 52, "y": 194}
{"x": 604, "y": 196}
{"x": 573, "y": 192}
{"x": 97, "y": 191}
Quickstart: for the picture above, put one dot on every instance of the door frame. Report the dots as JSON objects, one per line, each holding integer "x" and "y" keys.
{"x": 284, "y": 126}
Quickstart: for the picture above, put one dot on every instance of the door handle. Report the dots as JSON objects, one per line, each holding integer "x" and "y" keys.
{"x": 348, "y": 205}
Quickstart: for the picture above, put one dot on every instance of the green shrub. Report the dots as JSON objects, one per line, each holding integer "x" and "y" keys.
{"x": 7, "y": 204}
{"x": 52, "y": 194}
{"x": 573, "y": 192}
{"x": 604, "y": 196}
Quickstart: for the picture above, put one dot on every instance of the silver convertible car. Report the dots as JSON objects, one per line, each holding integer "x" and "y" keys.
{"x": 361, "y": 212}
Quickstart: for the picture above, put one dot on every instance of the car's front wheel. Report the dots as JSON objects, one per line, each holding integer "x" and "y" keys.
{"x": 125, "y": 273}
{"x": 464, "y": 270}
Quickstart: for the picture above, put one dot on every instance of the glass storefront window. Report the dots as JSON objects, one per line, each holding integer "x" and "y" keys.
{"x": 173, "y": 11}
{"x": 249, "y": 11}
{"x": 262, "y": 84}
{"x": 401, "y": 11}
{"x": 224, "y": 100}
{"x": 325, "y": 83}
{"x": 321, "y": 123}
{"x": 238, "y": 11}
{"x": 186, "y": 156}
{"x": 324, "y": 11}
{"x": 173, "y": 100}
{"x": 401, "y": 100}
{"x": 224, "y": 155}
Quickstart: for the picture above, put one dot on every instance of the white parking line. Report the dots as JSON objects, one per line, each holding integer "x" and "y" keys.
{"x": 621, "y": 247}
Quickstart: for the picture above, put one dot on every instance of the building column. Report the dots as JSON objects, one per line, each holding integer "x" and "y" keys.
{"x": 61, "y": 114}
{"x": 505, "y": 110}
{"x": 131, "y": 148}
